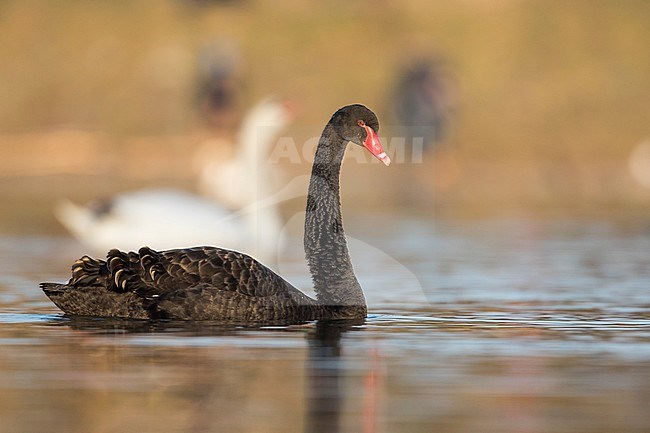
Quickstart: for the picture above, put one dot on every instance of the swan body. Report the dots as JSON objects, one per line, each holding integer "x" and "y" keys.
{"x": 129, "y": 218}
{"x": 172, "y": 218}
{"x": 213, "y": 283}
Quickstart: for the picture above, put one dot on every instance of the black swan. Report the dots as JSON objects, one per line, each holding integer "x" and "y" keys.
{"x": 423, "y": 103}
{"x": 211, "y": 283}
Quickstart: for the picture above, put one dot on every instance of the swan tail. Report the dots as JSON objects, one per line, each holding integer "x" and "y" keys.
{"x": 56, "y": 292}
{"x": 53, "y": 289}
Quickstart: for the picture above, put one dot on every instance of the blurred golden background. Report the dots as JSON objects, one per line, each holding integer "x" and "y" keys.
{"x": 518, "y": 322}
{"x": 547, "y": 103}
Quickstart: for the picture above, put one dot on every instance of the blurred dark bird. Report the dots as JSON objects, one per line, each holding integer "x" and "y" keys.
{"x": 218, "y": 82}
{"x": 422, "y": 104}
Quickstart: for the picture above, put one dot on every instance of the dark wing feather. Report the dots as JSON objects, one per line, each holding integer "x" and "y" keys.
{"x": 195, "y": 283}
{"x": 153, "y": 274}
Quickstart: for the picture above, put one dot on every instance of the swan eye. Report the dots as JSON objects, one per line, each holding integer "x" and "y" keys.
{"x": 361, "y": 123}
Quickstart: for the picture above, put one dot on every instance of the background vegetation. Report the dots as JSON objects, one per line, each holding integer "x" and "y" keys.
{"x": 550, "y": 97}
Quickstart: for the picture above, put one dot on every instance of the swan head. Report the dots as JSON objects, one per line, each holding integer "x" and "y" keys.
{"x": 358, "y": 124}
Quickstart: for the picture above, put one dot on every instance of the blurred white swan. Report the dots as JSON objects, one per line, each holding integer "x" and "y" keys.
{"x": 639, "y": 163}
{"x": 171, "y": 218}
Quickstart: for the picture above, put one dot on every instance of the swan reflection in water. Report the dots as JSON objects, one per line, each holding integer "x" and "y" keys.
{"x": 323, "y": 373}
{"x": 215, "y": 386}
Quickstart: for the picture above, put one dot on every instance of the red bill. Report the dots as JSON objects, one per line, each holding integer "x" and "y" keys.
{"x": 373, "y": 144}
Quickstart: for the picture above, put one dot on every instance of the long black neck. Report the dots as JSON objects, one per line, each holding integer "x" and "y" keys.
{"x": 325, "y": 244}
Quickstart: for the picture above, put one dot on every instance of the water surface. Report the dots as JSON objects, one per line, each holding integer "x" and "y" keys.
{"x": 510, "y": 324}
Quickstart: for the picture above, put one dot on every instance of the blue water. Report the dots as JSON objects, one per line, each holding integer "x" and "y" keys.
{"x": 511, "y": 324}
